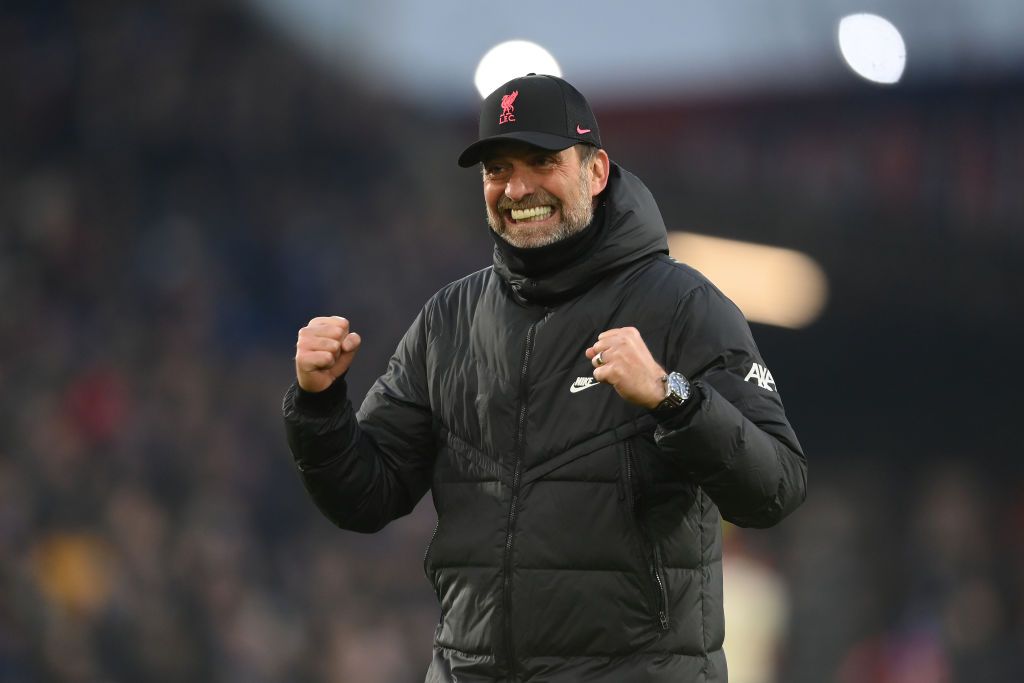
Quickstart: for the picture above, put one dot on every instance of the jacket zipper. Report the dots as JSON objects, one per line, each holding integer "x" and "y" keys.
{"x": 426, "y": 557}
{"x": 654, "y": 562}
{"x": 663, "y": 612}
{"x": 520, "y": 427}
{"x": 426, "y": 553}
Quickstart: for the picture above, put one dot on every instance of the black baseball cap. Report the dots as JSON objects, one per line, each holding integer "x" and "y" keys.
{"x": 545, "y": 111}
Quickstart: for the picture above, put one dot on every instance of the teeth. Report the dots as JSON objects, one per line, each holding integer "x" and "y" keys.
{"x": 537, "y": 212}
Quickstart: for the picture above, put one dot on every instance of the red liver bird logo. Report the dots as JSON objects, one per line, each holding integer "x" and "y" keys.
{"x": 507, "y": 107}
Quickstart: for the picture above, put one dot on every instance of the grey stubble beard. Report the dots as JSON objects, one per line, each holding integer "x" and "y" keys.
{"x": 574, "y": 218}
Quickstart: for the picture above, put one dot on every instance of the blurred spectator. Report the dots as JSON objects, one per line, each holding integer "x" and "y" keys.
{"x": 756, "y": 612}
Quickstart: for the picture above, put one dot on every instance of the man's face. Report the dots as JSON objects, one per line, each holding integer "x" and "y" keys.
{"x": 534, "y": 196}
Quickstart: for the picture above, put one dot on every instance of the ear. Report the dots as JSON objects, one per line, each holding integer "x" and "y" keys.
{"x": 600, "y": 167}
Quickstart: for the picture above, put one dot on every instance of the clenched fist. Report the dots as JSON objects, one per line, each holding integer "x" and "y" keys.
{"x": 622, "y": 359}
{"x": 324, "y": 352}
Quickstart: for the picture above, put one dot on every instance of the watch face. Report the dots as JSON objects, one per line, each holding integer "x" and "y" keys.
{"x": 682, "y": 386}
{"x": 677, "y": 389}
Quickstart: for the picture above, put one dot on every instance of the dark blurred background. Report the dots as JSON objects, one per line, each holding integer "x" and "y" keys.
{"x": 183, "y": 185}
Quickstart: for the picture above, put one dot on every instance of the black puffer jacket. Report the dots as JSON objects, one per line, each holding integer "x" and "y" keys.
{"x": 577, "y": 538}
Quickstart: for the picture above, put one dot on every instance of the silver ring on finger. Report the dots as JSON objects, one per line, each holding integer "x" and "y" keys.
{"x": 598, "y": 359}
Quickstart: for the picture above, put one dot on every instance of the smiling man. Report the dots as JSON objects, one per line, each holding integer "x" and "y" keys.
{"x": 536, "y": 197}
{"x": 581, "y": 413}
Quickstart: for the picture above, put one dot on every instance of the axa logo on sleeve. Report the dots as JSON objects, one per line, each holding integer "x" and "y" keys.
{"x": 761, "y": 375}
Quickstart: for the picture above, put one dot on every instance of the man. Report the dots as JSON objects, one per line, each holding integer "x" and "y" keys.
{"x": 580, "y": 412}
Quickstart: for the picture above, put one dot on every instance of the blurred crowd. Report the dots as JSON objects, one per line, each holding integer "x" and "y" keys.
{"x": 180, "y": 190}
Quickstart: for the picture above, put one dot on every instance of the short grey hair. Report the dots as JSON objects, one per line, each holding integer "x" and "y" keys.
{"x": 586, "y": 152}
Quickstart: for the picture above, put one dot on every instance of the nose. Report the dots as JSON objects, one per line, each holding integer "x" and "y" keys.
{"x": 518, "y": 186}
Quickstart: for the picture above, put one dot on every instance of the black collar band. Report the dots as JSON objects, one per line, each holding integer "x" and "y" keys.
{"x": 540, "y": 261}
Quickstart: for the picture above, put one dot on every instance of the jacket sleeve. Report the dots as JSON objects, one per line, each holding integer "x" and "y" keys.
{"x": 734, "y": 440}
{"x": 365, "y": 469}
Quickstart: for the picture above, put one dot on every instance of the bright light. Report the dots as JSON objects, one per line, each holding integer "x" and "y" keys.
{"x": 872, "y": 47}
{"x": 510, "y": 60}
{"x": 770, "y": 285}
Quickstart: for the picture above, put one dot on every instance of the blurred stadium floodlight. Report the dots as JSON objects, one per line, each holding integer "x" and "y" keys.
{"x": 426, "y": 52}
{"x": 770, "y": 285}
{"x": 510, "y": 59}
{"x": 872, "y": 47}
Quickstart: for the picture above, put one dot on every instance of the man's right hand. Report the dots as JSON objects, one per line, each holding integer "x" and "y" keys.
{"x": 324, "y": 352}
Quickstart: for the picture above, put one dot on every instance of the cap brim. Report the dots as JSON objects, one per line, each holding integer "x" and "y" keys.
{"x": 471, "y": 155}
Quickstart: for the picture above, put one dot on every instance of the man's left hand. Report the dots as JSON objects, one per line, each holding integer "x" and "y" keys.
{"x": 626, "y": 363}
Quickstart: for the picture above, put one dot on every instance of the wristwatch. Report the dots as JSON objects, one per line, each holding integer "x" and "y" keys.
{"x": 677, "y": 392}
